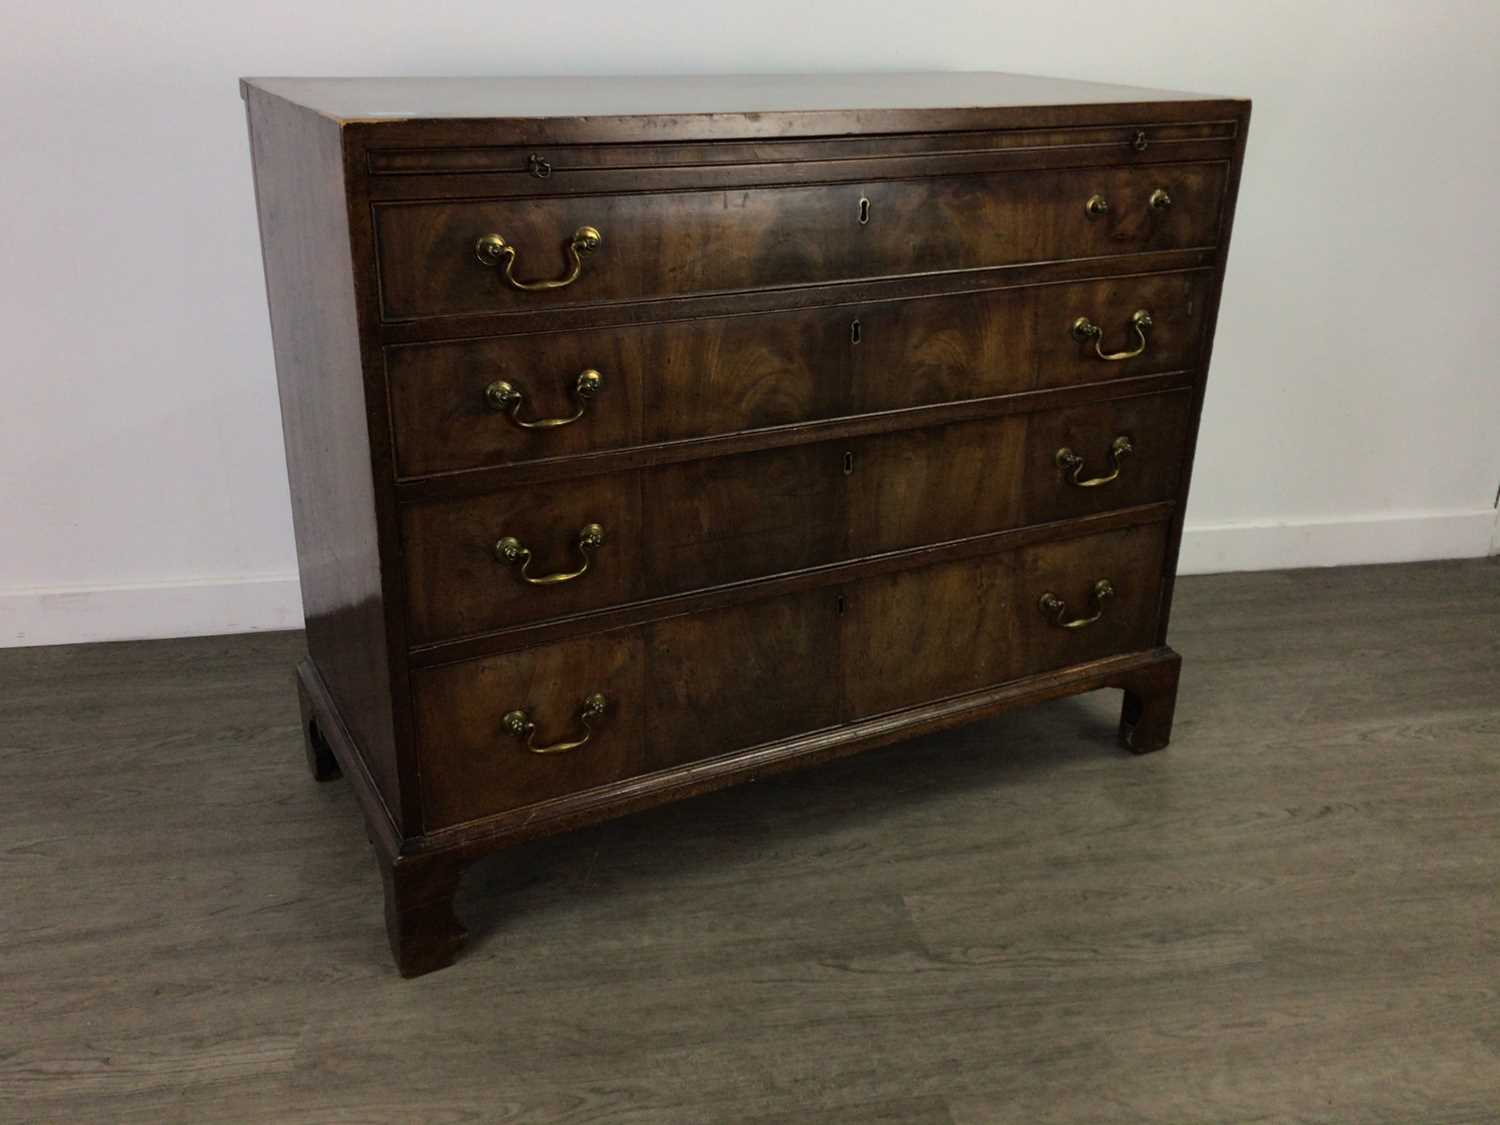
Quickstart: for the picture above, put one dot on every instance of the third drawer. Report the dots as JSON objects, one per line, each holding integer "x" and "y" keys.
{"x": 484, "y": 563}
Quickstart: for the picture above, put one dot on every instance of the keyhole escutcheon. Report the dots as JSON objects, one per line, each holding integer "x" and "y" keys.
{"x": 854, "y": 331}
{"x": 848, "y": 462}
{"x": 864, "y": 210}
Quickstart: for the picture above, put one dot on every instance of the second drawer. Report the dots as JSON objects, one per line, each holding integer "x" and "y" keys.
{"x": 465, "y": 404}
{"x": 478, "y": 564}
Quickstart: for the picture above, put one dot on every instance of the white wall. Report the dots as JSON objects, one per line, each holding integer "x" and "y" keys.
{"x": 1354, "y": 411}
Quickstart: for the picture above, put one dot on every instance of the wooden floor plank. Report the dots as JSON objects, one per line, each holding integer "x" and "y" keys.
{"x": 1293, "y": 914}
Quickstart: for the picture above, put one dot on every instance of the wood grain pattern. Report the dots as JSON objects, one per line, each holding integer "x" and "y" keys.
{"x": 701, "y": 524}
{"x": 670, "y": 700}
{"x": 1285, "y": 917}
{"x": 929, "y": 486}
{"x": 1100, "y": 142}
{"x": 928, "y": 633}
{"x": 471, "y": 766}
{"x": 1157, "y": 428}
{"x": 722, "y": 375}
{"x": 777, "y": 685}
{"x": 1178, "y": 304}
{"x": 718, "y": 597}
{"x": 1130, "y": 558}
{"x": 668, "y": 244}
{"x": 734, "y": 518}
{"x": 957, "y": 627}
{"x": 310, "y": 283}
{"x": 1210, "y": 324}
{"x": 803, "y": 662}
{"x": 723, "y": 106}
{"x": 456, "y": 585}
{"x": 754, "y": 302}
{"x": 836, "y": 344}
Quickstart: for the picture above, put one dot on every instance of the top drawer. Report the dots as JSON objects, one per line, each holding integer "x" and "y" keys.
{"x": 440, "y": 259}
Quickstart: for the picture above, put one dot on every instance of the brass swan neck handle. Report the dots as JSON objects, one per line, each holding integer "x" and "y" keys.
{"x": 1085, "y": 330}
{"x": 506, "y": 397}
{"x": 1057, "y": 610}
{"x": 1072, "y": 464}
{"x": 519, "y": 723}
{"x": 493, "y": 250}
{"x": 511, "y": 550}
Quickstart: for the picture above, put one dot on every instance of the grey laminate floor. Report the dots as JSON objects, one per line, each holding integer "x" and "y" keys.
{"x": 1290, "y": 915}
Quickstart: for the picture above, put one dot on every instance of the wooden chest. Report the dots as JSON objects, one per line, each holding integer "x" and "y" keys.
{"x": 647, "y": 436}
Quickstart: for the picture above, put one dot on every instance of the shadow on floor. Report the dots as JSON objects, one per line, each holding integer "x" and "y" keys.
{"x": 800, "y": 811}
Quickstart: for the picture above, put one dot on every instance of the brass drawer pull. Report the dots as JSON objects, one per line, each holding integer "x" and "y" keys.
{"x": 492, "y": 249}
{"x": 519, "y": 724}
{"x": 510, "y": 550}
{"x": 1072, "y": 465}
{"x": 1057, "y": 609}
{"x": 506, "y": 397}
{"x": 1096, "y": 206}
{"x": 1085, "y": 330}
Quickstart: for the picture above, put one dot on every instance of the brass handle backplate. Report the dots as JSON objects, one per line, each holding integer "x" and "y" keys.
{"x": 519, "y": 723}
{"x": 506, "y": 397}
{"x": 492, "y": 250}
{"x": 1072, "y": 465}
{"x": 511, "y": 550}
{"x": 1085, "y": 330}
{"x": 1057, "y": 610}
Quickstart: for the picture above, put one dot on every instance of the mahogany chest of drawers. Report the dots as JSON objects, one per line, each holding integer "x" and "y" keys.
{"x": 647, "y": 436}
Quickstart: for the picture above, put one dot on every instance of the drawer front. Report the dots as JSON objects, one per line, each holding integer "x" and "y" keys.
{"x": 1057, "y": 587}
{"x": 688, "y": 526}
{"x": 675, "y": 691}
{"x": 1085, "y": 460}
{"x": 666, "y": 244}
{"x": 1170, "y": 339}
{"x": 666, "y": 531}
{"x": 684, "y": 379}
{"x": 460, "y": 582}
{"x": 943, "y": 630}
{"x": 660, "y": 382}
{"x": 516, "y": 729}
{"x": 976, "y": 345}
{"x": 472, "y": 762}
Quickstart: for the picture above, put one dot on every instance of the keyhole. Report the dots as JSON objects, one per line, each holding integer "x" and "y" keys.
{"x": 848, "y": 462}
{"x": 854, "y": 331}
{"x": 840, "y": 604}
{"x": 864, "y": 210}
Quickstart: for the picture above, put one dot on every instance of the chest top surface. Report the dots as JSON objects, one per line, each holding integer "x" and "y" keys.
{"x": 749, "y": 95}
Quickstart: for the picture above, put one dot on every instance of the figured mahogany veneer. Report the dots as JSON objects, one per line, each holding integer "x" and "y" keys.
{"x": 679, "y": 244}
{"x": 724, "y": 375}
{"x": 801, "y": 663}
{"x": 869, "y": 410}
{"x": 690, "y": 525}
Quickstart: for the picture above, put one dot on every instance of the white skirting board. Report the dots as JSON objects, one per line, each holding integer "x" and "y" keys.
{"x": 185, "y": 608}
{"x": 1386, "y": 538}
{"x": 253, "y": 603}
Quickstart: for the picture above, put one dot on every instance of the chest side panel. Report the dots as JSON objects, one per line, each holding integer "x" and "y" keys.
{"x": 309, "y": 283}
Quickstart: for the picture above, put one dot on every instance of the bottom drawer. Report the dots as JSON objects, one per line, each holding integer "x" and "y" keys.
{"x": 511, "y": 730}
{"x": 921, "y": 635}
